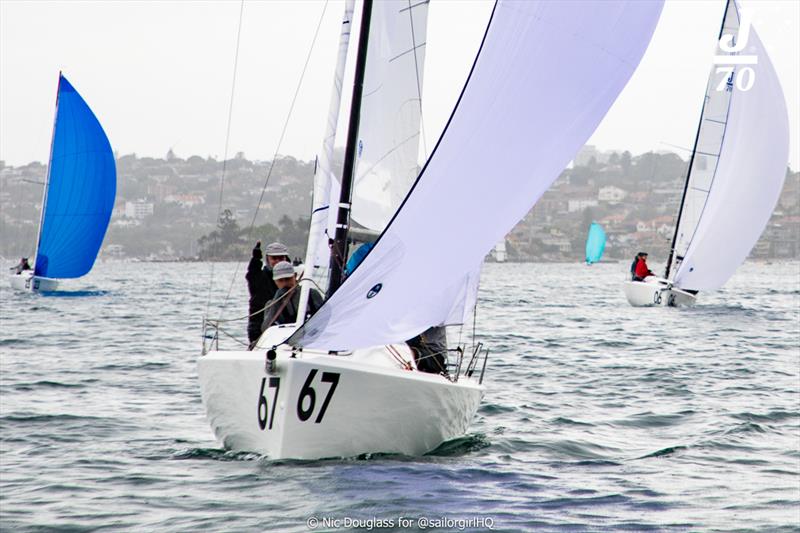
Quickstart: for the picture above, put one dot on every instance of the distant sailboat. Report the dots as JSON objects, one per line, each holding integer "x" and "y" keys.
{"x": 736, "y": 171}
{"x": 595, "y": 243}
{"x": 78, "y": 196}
{"x": 344, "y": 382}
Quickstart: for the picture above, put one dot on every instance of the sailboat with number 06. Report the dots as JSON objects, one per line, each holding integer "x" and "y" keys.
{"x": 344, "y": 382}
{"x": 736, "y": 171}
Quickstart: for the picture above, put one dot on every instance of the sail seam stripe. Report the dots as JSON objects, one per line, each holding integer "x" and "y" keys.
{"x": 410, "y": 7}
{"x": 414, "y": 48}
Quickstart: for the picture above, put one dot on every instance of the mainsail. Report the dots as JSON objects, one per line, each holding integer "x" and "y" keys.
{"x": 388, "y": 132}
{"x": 80, "y": 190}
{"x": 389, "y": 129}
{"x": 545, "y": 75}
{"x": 738, "y": 165}
{"x": 595, "y": 243}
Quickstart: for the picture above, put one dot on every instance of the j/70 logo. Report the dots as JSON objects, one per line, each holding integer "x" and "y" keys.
{"x": 732, "y": 45}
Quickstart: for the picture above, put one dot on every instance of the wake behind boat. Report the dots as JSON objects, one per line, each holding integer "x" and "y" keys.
{"x": 78, "y": 197}
{"x": 736, "y": 171}
{"x": 345, "y": 382}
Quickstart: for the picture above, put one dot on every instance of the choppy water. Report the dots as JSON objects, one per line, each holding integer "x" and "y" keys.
{"x": 598, "y": 416}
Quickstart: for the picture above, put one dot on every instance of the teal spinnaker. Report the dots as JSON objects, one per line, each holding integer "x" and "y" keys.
{"x": 595, "y": 243}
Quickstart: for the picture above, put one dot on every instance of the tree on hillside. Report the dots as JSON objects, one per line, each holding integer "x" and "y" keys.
{"x": 224, "y": 243}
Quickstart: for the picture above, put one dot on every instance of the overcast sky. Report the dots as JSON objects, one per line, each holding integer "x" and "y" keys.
{"x": 158, "y": 74}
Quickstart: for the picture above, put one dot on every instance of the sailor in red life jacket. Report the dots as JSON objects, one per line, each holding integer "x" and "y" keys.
{"x": 641, "y": 270}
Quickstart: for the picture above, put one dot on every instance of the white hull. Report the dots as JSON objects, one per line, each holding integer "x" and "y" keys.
{"x": 317, "y": 405}
{"x": 26, "y": 281}
{"x": 656, "y": 292}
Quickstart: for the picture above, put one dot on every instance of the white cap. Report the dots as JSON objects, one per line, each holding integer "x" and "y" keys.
{"x": 282, "y": 270}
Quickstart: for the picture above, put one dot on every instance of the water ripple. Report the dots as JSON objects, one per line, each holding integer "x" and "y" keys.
{"x": 597, "y": 416}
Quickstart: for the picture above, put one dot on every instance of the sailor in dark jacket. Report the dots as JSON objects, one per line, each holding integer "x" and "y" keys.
{"x": 260, "y": 284}
{"x": 282, "y": 309}
{"x": 430, "y": 350}
{"x": 633, "y": 265}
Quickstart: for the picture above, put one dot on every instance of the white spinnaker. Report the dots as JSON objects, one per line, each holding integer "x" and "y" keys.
{"x": 326, "y": 185}
{"x": 748, "y": 175}
{"x": 389, "y": 129}
{"x": 545, "y": 76}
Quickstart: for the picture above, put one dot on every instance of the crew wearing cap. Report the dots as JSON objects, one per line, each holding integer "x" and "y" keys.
{"x": 260, "y": 284}
{"x": 282, "y": 309}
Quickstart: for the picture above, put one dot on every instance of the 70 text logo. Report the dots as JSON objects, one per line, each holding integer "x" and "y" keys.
{"x": 732, "y": 45}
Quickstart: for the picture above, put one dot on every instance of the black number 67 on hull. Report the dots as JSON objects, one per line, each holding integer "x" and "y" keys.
{"x": 308, "y": 392}
{"x": 264, "y": 413}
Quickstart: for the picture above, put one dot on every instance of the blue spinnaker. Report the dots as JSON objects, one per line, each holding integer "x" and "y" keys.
{"x": 81, "y": 186}
{"x": 595, "y": 243}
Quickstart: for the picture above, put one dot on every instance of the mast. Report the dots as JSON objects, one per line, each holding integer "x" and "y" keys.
{"x": 339, "y": 244}
{"x": 691, "y": 162}
{"x": 47, "y": 179}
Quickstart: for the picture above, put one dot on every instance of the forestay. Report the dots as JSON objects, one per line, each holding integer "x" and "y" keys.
{"x": 326, "y": 184}
{"x": 739, "y": 165}
{"x": 389, "y": 130}
{"x": 545, "y": 75}
{"x": 80, "y": 190}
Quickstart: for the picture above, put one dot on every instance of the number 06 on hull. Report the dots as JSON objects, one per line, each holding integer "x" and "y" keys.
{"x": 317, "y": 405}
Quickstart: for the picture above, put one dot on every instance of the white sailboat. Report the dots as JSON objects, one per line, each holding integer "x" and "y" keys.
{"x": 78, "y": 196}
{"x": 343, "y": 382}
{"x": 736, "y": 171}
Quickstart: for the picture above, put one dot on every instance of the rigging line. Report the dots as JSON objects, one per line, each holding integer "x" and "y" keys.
{"x": 277, "y": 149}
{"x": 227, "y": 142}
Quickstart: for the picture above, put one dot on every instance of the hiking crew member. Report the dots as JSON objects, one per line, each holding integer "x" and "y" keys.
{"x": 261, "y": 286}
{"x": 283, "y": 306}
